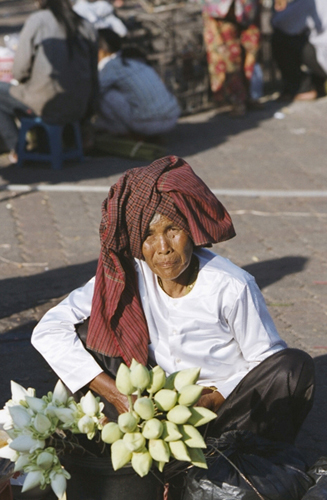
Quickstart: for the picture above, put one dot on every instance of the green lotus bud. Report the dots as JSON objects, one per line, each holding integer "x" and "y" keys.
{"x": 201, "y": 416}
{"x": 45, "y": 460}
{"x": 41, "y": 423}
{"x": 127, "y": 422}
{"x": 186, "y": 377}
{"x": 157, "y": 380}
{"x": 179, "y": 451}
{"x": 26, "y": 444}
{"x": 134, "y": 364}
{"x": 159, "y": 465}
{"x": 159, "y": 450}
{"x": 191, "y": 436}
{"x": 123, "y": 380}
{"x": 141, "y": 463}
{"x": 36, "y": 404}
{"x": 59, "y": 482}
{"x": 169, "y": 384}
{"x": 165, "y": 399}
{"x": 179, "y": 414}
{"x": 22, "y": 461}
{"x": 140, "y": 377}
{"x": 89, "y": 404}
{"x": 111, "y": 433}
{"x": 66, "y": 415}
{"x": 120, "y": 455}
{"x": 190, "y": 394}
{"x": 197, "y": 457}
{"x": 144, "y": 408}
{"x": 86, "y": 425}
{"x": 33, "y": 478}
{"x": 19, "y": 393}
{"x": 60, "y": 394}
{"x": 20, "y": 416}
{"x": 152, "y": 429}
{"x": 170, "y": 431}
{"x": 134, "y": 441}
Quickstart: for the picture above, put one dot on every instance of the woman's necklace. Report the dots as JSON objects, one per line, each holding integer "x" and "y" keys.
{"x": 193, "y": 277}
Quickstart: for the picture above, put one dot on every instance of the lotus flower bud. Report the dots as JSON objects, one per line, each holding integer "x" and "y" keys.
{"x": 89, "y": 404}
{"x": 9, "y": 453}
{"x": 127, "y": 422}
{"x": 60, "y": 394}
{"x": 190, "y": 394}
{"x": 157, "y": 380}
{"x": 197, "y": 457}
{"x": 86, "y": 425}
{"x": 19, "y": 393}
{"x": 170, "y": 431}
{"x": 58, "y": 484}
{"x": 41, "y": 423}
{"x": 36, "y": 404}
{"x": 201, "y": 416}
{"x": 123, "y": 380}
{"x": 159, "y": 450}
{"x": 152, "y": 429}
{"x": 186, "y": 377}
{"x": 165, "y": 399}
{"x": 169, "y": 384}
{"x": 144, "y": 408}
{"x": 33, "y": 479}
{"x": 111, "y": 433}
{"x": 21, "y": 462}
{"x": 45, "y": 460}
{"x": 179, "y": 414}
{"x": 159, "y": 465}
{"x": 140, "y": 377}
{"x": 26, "y": 444}
{"x": 141, "y": 463}
{"x": 191, "y": 436}
{"x": 134, "y": 364}
{"x": 120, "y": 455}
{"x": 66, "y": 415}
{"x": 134, "y": 441}
{"x": 179, "y": 451}
{"x": 20, "y": 416}
{"x": 50, "y": 410}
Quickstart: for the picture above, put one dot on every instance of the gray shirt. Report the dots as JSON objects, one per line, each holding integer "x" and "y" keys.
{"x": 55, "y": 82}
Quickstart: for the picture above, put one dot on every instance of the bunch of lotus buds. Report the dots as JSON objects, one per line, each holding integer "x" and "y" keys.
{"x": 161, "y": 423}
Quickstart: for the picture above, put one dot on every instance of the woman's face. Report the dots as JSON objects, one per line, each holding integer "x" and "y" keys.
{"x": 167, "y": 249}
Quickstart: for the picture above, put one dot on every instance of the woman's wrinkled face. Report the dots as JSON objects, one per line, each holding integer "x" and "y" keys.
{"x": 167, "y": 249}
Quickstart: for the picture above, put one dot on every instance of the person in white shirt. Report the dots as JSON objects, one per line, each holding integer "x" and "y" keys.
{"x": 161, "y": 297}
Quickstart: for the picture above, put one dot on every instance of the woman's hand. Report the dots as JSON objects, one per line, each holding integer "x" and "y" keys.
{"x": 212, "y": 401}
{"x": 105, "y": 386}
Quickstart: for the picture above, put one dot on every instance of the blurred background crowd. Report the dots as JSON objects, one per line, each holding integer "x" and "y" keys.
{"x": 127, "y": 70}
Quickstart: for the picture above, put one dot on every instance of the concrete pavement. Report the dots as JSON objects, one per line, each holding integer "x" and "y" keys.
{"x": 270, "y": 172}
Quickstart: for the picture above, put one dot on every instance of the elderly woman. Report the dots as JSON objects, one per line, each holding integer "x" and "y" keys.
{"x": 161, "y": 297}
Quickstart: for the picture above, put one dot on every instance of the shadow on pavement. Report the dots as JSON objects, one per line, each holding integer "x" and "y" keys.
{"x": 188, "y": 138}
{"x": 268, "y": 272}
{"x": 20, "y": 293}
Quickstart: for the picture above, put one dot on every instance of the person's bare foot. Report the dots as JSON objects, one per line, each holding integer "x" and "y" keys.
{"x": 311, "y": 95}
{"x": 13, "y": 157}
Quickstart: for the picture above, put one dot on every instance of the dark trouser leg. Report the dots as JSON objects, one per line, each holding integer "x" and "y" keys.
{"x": 8, "y": 106}
{"x": 272, "y": 400}
{"x": 287, "y": 52}
{"x": 318, "y": 75}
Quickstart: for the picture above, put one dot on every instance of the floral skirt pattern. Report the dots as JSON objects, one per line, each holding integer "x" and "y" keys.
{"x": 231, "y": 55}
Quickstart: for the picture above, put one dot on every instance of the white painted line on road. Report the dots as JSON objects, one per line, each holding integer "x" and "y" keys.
{"x": 75, "y": 188}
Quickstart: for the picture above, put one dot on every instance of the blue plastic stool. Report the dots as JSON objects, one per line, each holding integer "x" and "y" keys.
{"x": 57, "y": 154}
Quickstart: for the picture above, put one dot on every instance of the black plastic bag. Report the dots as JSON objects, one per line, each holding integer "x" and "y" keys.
{"x": 318, "y": 472}
{"x": 250, "y": 468}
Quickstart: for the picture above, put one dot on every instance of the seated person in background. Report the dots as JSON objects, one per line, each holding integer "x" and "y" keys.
{"x": 300, "y": 40}
{"x": 133, "y": 98}
{"x": 55, "y": 69}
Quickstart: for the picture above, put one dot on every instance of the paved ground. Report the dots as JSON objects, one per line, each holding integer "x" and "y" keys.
{"x": 49, "y": 242}
{"x": 49, "y": 238}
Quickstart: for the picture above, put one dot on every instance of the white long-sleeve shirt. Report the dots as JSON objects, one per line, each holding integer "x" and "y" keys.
{"x": 222, "y": 326}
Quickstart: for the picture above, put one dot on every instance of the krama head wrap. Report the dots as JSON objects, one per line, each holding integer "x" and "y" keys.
{"x": 170, "y": 187}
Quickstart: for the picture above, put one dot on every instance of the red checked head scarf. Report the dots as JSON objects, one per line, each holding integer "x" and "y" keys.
{"x": 170, "y": 187}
